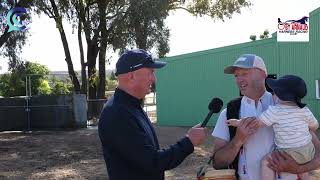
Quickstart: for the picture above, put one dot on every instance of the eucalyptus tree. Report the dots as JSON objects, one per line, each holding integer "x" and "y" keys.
{"x": 58, "y": 9}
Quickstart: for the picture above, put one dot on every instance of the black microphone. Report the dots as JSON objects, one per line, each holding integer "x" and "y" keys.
{"x": 214, "y": 107}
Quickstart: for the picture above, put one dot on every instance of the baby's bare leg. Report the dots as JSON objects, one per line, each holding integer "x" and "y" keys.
{"x": 233, "y": 122}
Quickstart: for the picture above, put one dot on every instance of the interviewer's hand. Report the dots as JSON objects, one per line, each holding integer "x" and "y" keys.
{"x": 197, "y": 135}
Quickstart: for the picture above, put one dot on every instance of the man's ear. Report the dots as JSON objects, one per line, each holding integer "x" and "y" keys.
{"x": 131, "y": 76}
{"x": 263, "y": 73}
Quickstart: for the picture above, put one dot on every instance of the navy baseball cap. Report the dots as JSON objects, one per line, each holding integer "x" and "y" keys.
{"x": 135, "y": 59}
{"x": 289, "y": 88}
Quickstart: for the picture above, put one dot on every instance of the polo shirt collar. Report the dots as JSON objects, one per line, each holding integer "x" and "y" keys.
{"x": 262, "y": 98}
{"x": 126, "y": 98}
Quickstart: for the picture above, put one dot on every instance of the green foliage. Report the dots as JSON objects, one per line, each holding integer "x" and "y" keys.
{"x": 36, "y": 69}
{"x": 113, "y": 76}
{"x": 146, "y": 26}
{"x": 94, "y": 79}
{"x": 163, "y": 46}
{"x": 14, "y": 83}
{"x": 44, "y": 87}
{"x": 11, "y": 85}
{"x": 111, "y": 84}
{"x": 215, "y": 9}
{"x": 59, "y": 87}
{"x": 37, "y": 73}
{"x": 253, "y": 37}
{"x": 265, "y": 34}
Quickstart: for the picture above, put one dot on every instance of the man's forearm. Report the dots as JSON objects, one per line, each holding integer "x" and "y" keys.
{"x": 315, "y": 162}
{"x": 225, "y": 155}
{"x": 310, "y": 166}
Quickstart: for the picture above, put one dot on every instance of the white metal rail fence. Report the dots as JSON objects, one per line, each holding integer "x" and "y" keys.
{"x": 95, "y": 107}
{"x": 150, "y": 106}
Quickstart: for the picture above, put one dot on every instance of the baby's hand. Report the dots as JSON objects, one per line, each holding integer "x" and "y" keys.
{"x": 233, "y": 122}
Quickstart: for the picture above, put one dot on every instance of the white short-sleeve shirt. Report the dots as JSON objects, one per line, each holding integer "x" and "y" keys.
{"x": 258, "y": 145}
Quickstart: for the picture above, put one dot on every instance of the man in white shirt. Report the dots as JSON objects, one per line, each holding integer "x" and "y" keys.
{"x": 244, "y": 147}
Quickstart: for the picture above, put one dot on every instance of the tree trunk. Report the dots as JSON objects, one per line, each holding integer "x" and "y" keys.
{"x": 83, "y": 65}
{"x": 72, "y": 74}
{"x": 92, "y": 54}
{"x": 102, "y": 51}
{"x": 5, "y": 36}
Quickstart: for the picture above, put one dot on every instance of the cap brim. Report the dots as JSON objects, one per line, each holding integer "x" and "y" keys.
{"x": 275, "y": 86}
{"x": 281, "y": 92}
{"x": 156, "y": 64}
{"x": 231, "y": 69}
{"x": 284, "y": 95}
{"x": 271, "y": 83}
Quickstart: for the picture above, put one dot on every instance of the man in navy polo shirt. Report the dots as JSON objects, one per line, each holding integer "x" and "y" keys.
{"x": 130, "y": 145}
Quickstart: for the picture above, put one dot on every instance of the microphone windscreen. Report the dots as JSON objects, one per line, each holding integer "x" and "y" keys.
{"x": 215, "y": 105}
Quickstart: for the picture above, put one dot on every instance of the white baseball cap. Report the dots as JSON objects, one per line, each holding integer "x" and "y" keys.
{"x": 247, "y": 61}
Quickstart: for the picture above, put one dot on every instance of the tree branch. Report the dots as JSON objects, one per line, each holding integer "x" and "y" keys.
{"x": 183, "y": 8}
{"x": 90, "y": 3}
{"x": 5, "y": 36}
{"x": 46, "y": 10}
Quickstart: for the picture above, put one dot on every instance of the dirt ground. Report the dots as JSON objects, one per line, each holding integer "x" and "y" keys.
{"x": 76, "y": 154}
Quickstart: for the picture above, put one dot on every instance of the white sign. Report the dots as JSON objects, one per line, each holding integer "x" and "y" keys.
{"x": 293, "y": 30}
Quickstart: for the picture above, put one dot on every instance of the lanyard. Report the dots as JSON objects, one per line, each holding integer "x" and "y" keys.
{"x": 243, "y": 163}
{"x": 278, "y": 177}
